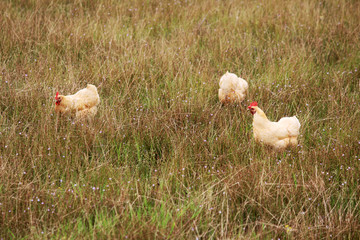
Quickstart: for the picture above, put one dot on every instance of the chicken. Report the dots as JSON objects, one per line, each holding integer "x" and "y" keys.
{"x": 81, "y": 104}
{"x": 279, "y": 134}
{"x": 232, "y": 88}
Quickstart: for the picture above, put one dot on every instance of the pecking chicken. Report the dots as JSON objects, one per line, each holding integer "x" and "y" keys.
{"x": 232, "y": 88}
{"x": 81, "y": 104}
{"x": 276, "y": 134}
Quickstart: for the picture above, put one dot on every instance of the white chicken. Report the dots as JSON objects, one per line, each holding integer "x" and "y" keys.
{"x": 232, "y": 88}
{"x": 279, "y": 134}
{"x": 81, "y": 104}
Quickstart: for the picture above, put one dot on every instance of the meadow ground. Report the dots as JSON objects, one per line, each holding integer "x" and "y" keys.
{"x": 162, "y": 158}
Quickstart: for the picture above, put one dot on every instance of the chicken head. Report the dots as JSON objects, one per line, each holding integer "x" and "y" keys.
{"x": 251, "y": 107}
{"x": 57, "y": 98}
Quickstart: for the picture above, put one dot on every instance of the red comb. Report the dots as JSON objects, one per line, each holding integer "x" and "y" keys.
{"x": 253, "y": 104}
{"x": 57, "y": 94}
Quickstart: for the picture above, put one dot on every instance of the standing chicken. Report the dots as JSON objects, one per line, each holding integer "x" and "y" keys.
{"x": 276, "y": 134}
{"x": 81, "y": 104}
{"x": 232, "y": 88}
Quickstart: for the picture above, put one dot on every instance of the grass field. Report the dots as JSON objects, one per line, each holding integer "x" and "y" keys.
{"x": 162, "y": 158}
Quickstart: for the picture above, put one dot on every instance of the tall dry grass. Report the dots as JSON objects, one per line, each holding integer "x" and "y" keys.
{"x": 162, "y": 159}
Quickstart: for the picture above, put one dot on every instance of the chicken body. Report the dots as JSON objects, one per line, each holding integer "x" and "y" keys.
{"x": 232, "y": 88}
{"x": 81, "y": 104}
{"x": 279, "y": 134}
